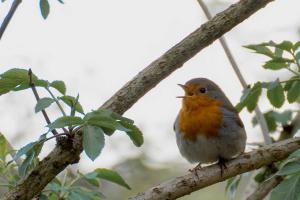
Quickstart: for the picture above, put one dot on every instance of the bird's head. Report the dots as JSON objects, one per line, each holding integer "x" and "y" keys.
{"x": 202, "y": 92}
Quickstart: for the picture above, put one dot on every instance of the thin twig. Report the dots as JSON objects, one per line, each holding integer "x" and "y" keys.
{"x": 9, "y": 15}
{"x": 54, "y": 136}
{"x": 65, "y": 153}
{"x": 56, "y": 101}
{"x": 36, "y": 95}
{"x": 293, "y": 71}
{"x": 264, "y": 188}
{"x": 259, "y": 115}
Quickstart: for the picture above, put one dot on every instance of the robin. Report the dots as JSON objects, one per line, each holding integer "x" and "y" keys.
{"x": 208, "y": 127}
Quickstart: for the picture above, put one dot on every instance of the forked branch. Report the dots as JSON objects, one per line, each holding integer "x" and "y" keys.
{"x": 48, "y": 168}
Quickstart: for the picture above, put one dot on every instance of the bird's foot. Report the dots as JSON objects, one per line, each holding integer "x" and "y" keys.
{"x": 194, "y": 170}
{"x": 222, "y": 164}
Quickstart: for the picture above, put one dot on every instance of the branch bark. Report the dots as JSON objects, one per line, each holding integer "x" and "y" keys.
{"x": 204, "y": 177}
{"x": 182, "y": 52}
{"x": 264, "y": 188}
{"x": 9, "y": 15}
{"x": 63, "y": 155}
{"x": 55, "y": 162}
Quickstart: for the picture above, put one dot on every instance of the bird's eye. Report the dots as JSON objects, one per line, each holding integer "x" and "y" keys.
{"x": 202, "y": 90}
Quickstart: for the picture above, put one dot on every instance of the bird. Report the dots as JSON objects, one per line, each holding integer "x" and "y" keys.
{"x": 208, "y": 127}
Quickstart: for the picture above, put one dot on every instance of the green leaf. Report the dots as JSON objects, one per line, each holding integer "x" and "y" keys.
{"x": 272, "y": 126}
{"x": 18, "y": 75}
{"x": 134, "y": 133}
{"x": 275, "y": 94}
{"x": 65, "y": 121}
{"x": 243, "y": 99}
{"x": 260, "y": 49}
{"x": 289, "y": 83}
{"x": 80, "y": 193}
{"x": 297, "y": 56}
{"x": 289, "y": 168}
{"x": 12, "y": 78}
{"x": 296, "y": 46}
{"x": 288, "y": 189}
{"x": 272, "y": 118}
{"x": 271, "y": 122}
{"x": 91, "y": 178}
{"x": 26, "y": 165}
{"x": 4, "y": 147}
{"x": 278, "y": 52}
{"x": 59, "y": 86}
{"x": 43, "y": 103}
{"x": 283, "y": 117}
{"x": 104, "y": 122}
{"x": 6, "y": 85}
{"x": 112, "y": 176}
{"x": 232, "y": 185}
{"x": 37, "y": 83}
{"x": 70, "y": 101}
{"x": 93, "y": 141}
{"x": 294, "y": 92}
{"x": 285, "y": 45}
{"x": 260, "y": 177}
{"x": 43, "y": 197}
{"x": 16, "y": 79}
{"x": 250, "y": 97}
{"x": 295, "y": 154}
{"x": 45, "y": 8}
{"x": 253, "y": 96}
{"x": 275, "y": 64}
{"x": 76, "y": 196}
{"x": 31, "y": 156}
{"x": 24, "y": 150}
{"x": 53, "y": 196}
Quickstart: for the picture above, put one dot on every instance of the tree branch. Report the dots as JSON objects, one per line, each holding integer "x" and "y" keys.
{"x": 206, "y": 176}
{"x": 264, "y": 188}
{"x": 182, "y": 52}
{"x": 138, "y": 86}
{"x": 9, "y": 15}
{"x": 260, "y": 117}
{"x": 63, "y": 155}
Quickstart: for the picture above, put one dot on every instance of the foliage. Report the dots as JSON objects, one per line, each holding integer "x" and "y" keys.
{"x": 281, "y": 56}
{"x": 94, "y": 125}
{"x": 284, "y": 55}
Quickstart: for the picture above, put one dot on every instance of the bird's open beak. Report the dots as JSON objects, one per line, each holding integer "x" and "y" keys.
{"x": 184, "y": 88}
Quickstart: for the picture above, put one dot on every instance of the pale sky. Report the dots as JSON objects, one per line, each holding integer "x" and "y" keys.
{"x": 96, "y": 46}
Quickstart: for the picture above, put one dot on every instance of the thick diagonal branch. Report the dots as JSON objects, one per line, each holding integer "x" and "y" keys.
{"x": 191, "y": 182}
{"x": 141, "y": 84}
{"x": 182, "y": 52}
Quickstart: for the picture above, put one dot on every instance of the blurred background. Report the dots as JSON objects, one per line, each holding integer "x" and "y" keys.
{"x": 96, "y": 46}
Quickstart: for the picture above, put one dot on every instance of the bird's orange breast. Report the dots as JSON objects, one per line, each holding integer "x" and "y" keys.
{"x": 200, "y": 116}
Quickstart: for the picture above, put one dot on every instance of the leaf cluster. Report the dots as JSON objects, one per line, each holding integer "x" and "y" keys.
{"x": 94, "y": 125}
{"x": 281, "y": 56}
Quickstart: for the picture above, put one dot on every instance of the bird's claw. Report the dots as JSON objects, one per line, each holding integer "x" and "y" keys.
{"x": 222, "y": 164}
